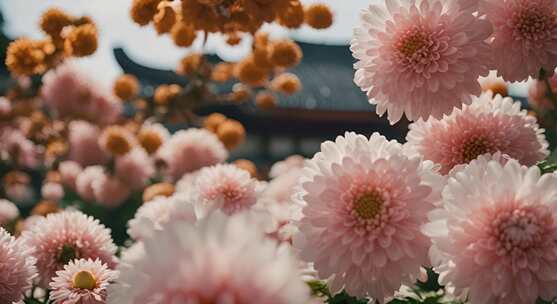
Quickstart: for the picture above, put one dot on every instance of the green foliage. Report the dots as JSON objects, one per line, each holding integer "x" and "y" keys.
{"x": 428, "y": 292}
{"x": 344, "y": 298}
{"x": 550, "y": 164}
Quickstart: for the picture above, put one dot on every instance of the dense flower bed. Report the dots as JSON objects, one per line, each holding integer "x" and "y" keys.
{"x": 102, "y": 203}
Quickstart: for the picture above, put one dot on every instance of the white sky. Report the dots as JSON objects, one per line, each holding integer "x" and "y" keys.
{"x": 143, "y": 44}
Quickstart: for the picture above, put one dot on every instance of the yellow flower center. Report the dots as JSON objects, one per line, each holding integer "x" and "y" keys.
{"x": 368, "y": 205}
{"x": 84, "y": 280}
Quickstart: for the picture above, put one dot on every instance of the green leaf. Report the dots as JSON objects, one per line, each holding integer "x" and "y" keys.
{"x": 547, "y": 166}
{"x": 345, "y": 298}
{"x": 319, "y": 288}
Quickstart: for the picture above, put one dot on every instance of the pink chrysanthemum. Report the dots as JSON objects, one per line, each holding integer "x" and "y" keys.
{"x": 525, "y": 36}
{"x": 488, "y": 125}
{"x": 8, "y": 212}
{"x": 281, "y": 188}
{"x": 289, "y": 164}
{"x": 109, "y": 191}
{"x": 85, "y": 180}
{"x": 17, "y": 268}
{"x": 67, "y": 235}
{"x": 21, "y": 150}
{"x": 420, "y": 58}
{"x": 190, "y": 150}
{"x": 52, "y": 191}
{"x": 69, "y": 170}
{"x": 154, "y": 214}
{"x": 84, "y": 147}
{"x": 187, "y": 182}
{"x": 5, "y": 106}
{"x": 495, "y": 238}
{"x": 282, "y": 217}
{"x": 224, "y": 187}
{"x": 222, "y": 259}
{"x": 82, "y": 282}
{"x": 365, "y": 202}
{"x": 70, "y": 93}
{"x": 135, "y": 168}
{"x": 21, "y": 193}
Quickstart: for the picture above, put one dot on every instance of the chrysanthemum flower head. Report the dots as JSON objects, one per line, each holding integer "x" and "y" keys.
{"x": 319, "y": 16}
{"x": 226, "y": 188}
{"x": 222, "y": 259}
{"x": 110, "y": 191}
{"x": 494, "y": 236}
{"x": 190, "y": 150}
{"x": 8, "y": 212}
{"x": 365, "y": 201}
{"x": 165, "y": 19}
{"x": 135, "y": 168}
{"x": 83, "y": 281}
{"x": 62, "y": 237}
{"x": 85, "y": 179}
{"x": 84, "y": 147}
{"x": 525, "y": 34}
{"x": 116, "y": 140}
{"x": 155, "y": 213}
{"x": 420, "y": 58}
{"x": 17, "y": 268}
{"x": 126, "y": 87}
{"x": 70, "y": 93}
{"x": 53, "y": 21}
{"x": 151, "y": 136}
{"x": 490, "y": 124}
{"x": 82, "y": 41}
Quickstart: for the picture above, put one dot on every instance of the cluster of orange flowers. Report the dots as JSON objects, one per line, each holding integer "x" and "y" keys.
{"x": 230, "y": 17}
{"x": 261, "y": 74}
{"x": 66, "y": 36}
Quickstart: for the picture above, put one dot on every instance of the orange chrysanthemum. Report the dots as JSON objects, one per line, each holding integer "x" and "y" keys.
{"x": 213, "y": 121}
{"x": 265, "y": 100}
{"x": 319, "y": 16}
{"x": 143, "y": 11}
{"x": 82, "y": 41}
{"x": 27, "y": 57}
{"x": 126, "y": 87}
{"x": 249, "y": 73}
{"x": 231, "y": 133}
{"x": 285, "y": 53}
{"x": 286, "y": 83}
{"x": 293, "y": 16}
{"x": 53, "y": 21}
{"x": 165, "y": 19}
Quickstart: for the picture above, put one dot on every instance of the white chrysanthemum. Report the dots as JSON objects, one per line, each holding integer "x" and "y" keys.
{"x": 365, "y": 203}
{"x": 222, "y": 259}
